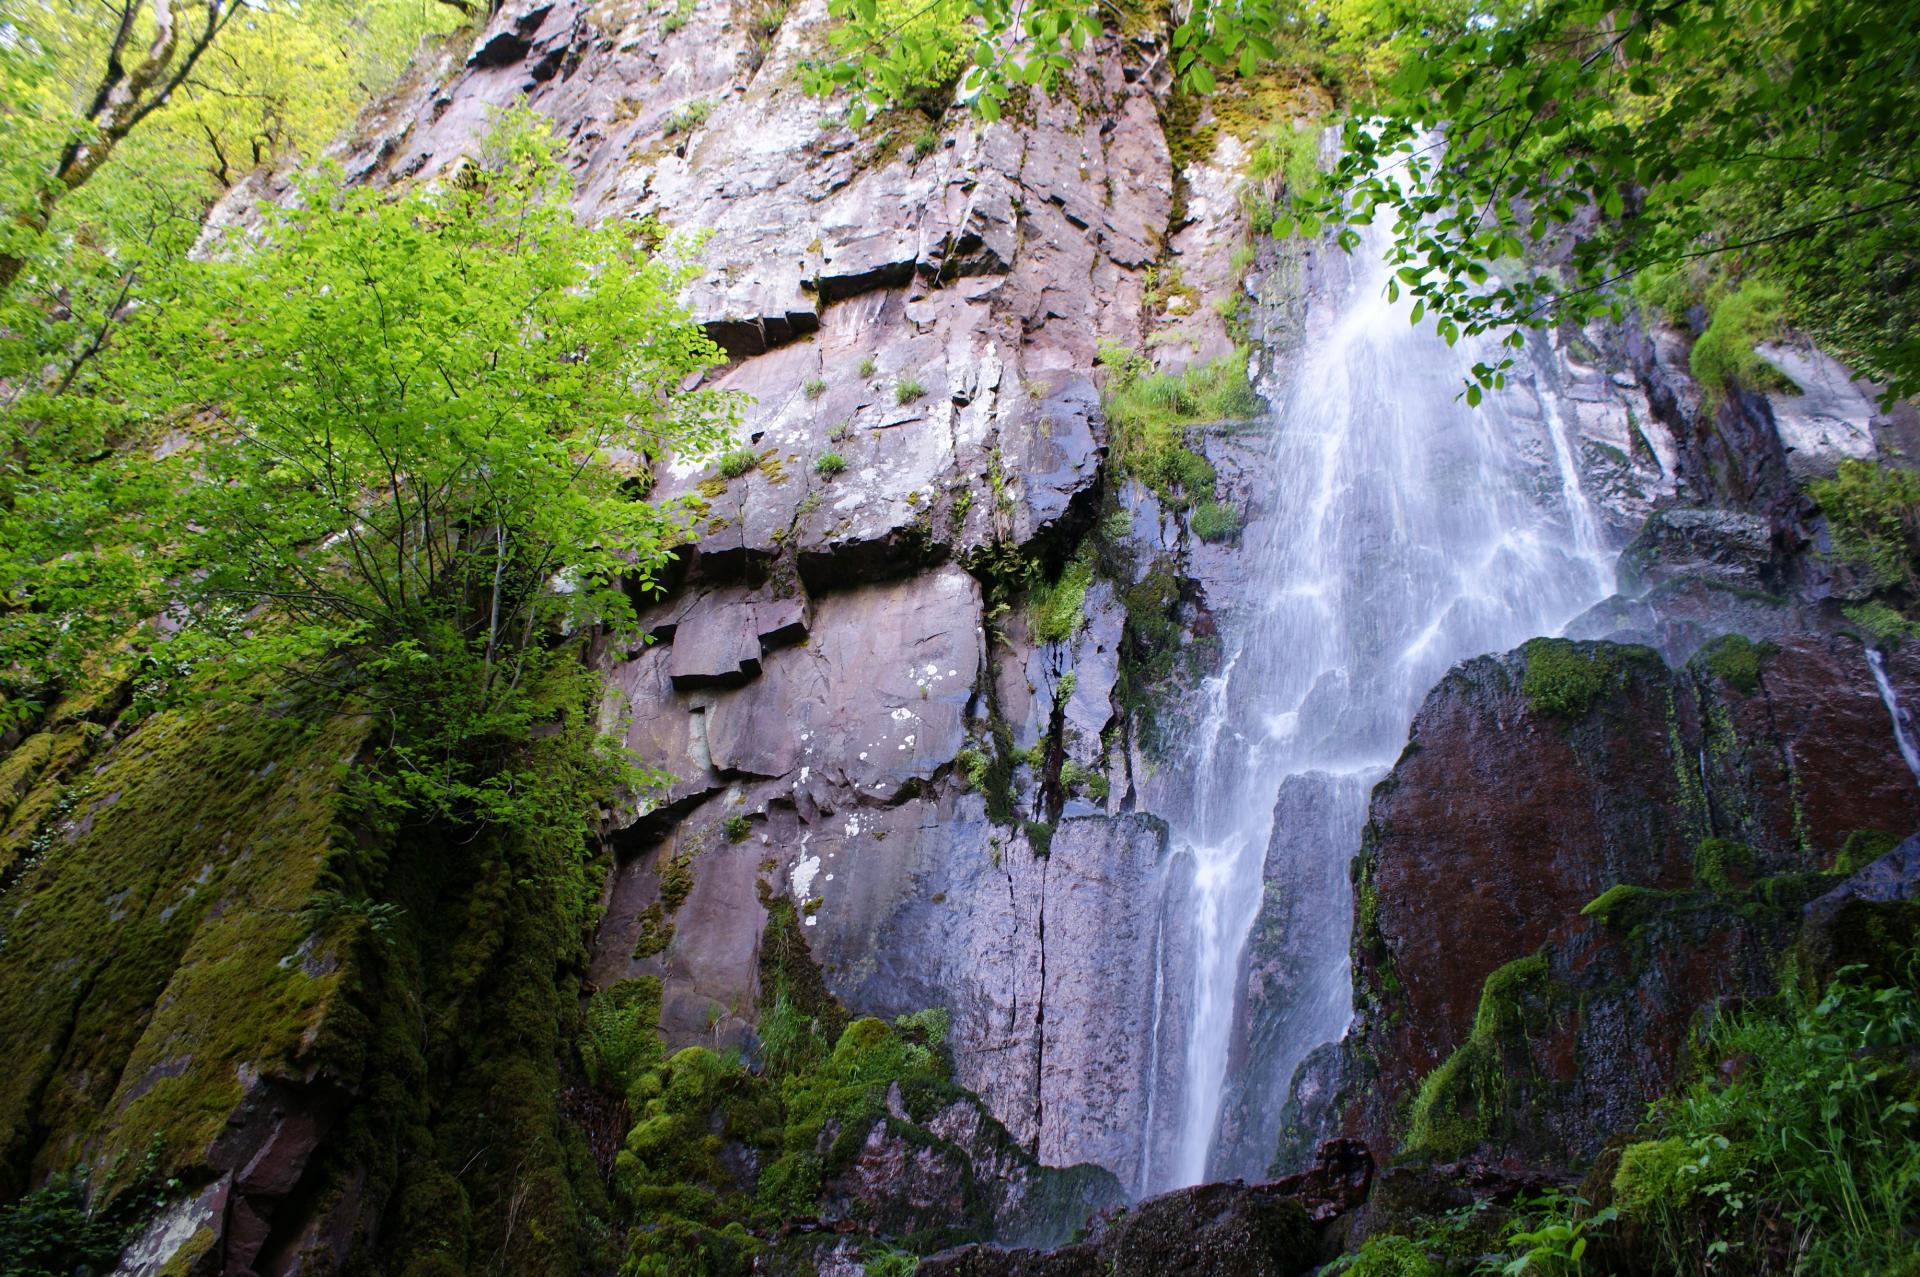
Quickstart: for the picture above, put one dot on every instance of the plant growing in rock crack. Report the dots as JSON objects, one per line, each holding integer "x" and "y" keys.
{"x": 814, "y": 387}
{"x": 907, "y": 390}
{"x": 869, "y": 366}
{"x": 841, "y": 432}
{"x": 830, "y": 464}
{"x": 737, "y": 462}
{"x": 737, "y": 827}
{"x": 688, "y": 117}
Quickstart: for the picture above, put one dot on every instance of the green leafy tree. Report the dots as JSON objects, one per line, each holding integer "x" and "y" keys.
{"x": 412, "y": 436}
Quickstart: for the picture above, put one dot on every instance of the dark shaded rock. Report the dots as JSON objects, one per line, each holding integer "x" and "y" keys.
{"x": 1212, "y": 1230}
{"x": 1872, "y": 919}
{"x": 1722, "y": 546}
{"x": 1503, "y": 822}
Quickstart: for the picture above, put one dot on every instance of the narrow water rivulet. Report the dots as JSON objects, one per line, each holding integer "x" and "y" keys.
{"x": 1405, "y": 532}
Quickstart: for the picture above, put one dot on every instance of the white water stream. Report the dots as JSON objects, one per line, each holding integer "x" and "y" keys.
{"x": 1407, "y": 532}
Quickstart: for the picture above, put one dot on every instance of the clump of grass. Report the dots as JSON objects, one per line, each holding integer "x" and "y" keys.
{"x": 681, "y": 15}
{"x": 1148, "y": 416}
{"x": 1215, "y": 521}
{"x": 689, "y": 117}
{"x": 1724, "y": 355}
{"x": 737, "y": 827}
{"x": 1056, "y": 610}
{"x": 925, "y": 143}
{"x": 840, "y": 431}
{"x": 908, "y": 389}
{"x": 814, "y": 387}
{"x": 737, "y": 462}
{"x": 830, "y": 463}
{"x": 869, "y": 366}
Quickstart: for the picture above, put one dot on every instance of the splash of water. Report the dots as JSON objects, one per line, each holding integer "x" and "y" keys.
{"x": 1407, "y": 533}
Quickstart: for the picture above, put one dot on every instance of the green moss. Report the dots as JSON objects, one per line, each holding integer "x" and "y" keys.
{"x": 676, "y": 879}
{"x": 1625, "y": 905}
{"x": 1460, "y": 1103}
{"x": 1722, "y": 866}
{"x": 1887, "y": 626}
{"x": 1654, "y": 1175}
{"x": 1564, "y": 678}
{"x": 1873, "y": 515}
{"x": 1735, "y": 658}
{"x": 655, "y": 932}
{"x": 1862, "y": 848}
{"x": 1724, "y": 356}
{"x": 972, "y": 764}
{"x": 1039, "y": 837}
{"x": 116, "y": 958}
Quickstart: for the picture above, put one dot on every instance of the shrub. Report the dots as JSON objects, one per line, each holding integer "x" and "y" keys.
{"x": 907, "y": 390}
{"x": 972, "y": 764}
{"x": 1215, "y": 521}
{"x": 689, "y": 117}
{"x": 830, "y": 463}
{"x": 1724, "y": 353}
{"x": 737, "y": 462}
{"x": 1873, "y": 515}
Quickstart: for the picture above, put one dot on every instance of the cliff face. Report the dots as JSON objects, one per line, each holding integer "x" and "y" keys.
{"x": 890, "y": 775}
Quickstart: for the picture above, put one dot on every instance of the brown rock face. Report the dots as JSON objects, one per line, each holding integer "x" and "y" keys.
{"x": 1503, "y": 821}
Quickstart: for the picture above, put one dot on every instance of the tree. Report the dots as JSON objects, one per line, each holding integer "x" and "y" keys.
{"x": 1538, "y": 155}
{"x": 421, "y": 426}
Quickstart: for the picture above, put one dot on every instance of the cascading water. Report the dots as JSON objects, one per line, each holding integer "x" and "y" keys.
{"x": 1407, "y": 532}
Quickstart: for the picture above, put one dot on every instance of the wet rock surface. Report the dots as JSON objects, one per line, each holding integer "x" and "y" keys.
{"x": 1655, "y": 845}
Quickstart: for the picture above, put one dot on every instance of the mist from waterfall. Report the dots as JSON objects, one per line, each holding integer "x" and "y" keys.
{"x": 1406, "y": 533}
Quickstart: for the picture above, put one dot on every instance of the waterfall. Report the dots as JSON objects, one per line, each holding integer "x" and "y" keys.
{"x": 1406, "y": 533}
{"x": 1902, "y": 733}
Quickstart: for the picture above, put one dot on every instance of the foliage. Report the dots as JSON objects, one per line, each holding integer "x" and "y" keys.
{"x": 814, "y": 387}
{"x": 62, "y": 1228}
{"x": 379, "y": 507}
{"x": 620, "y": 1041}
{"x": 1818, "y": 1132}
{"x": 908, "y": 389}
{"x": 737, "y": 827}
{"x": 829, "y": 463}
{"x": 738, "y": 461}
{"x": 1672, "y": 135}
{"x": 1056, "y": 609}
{"x": 688, "y": 117}
{"x": 1148, "y": 415}
{"x": 1215, "y": 521}
{"x": 972, "y": 765}
{"x": 1722, "y": 865}
{"x": 1724, "y": 355}
{"x": 1873, "y": 515}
